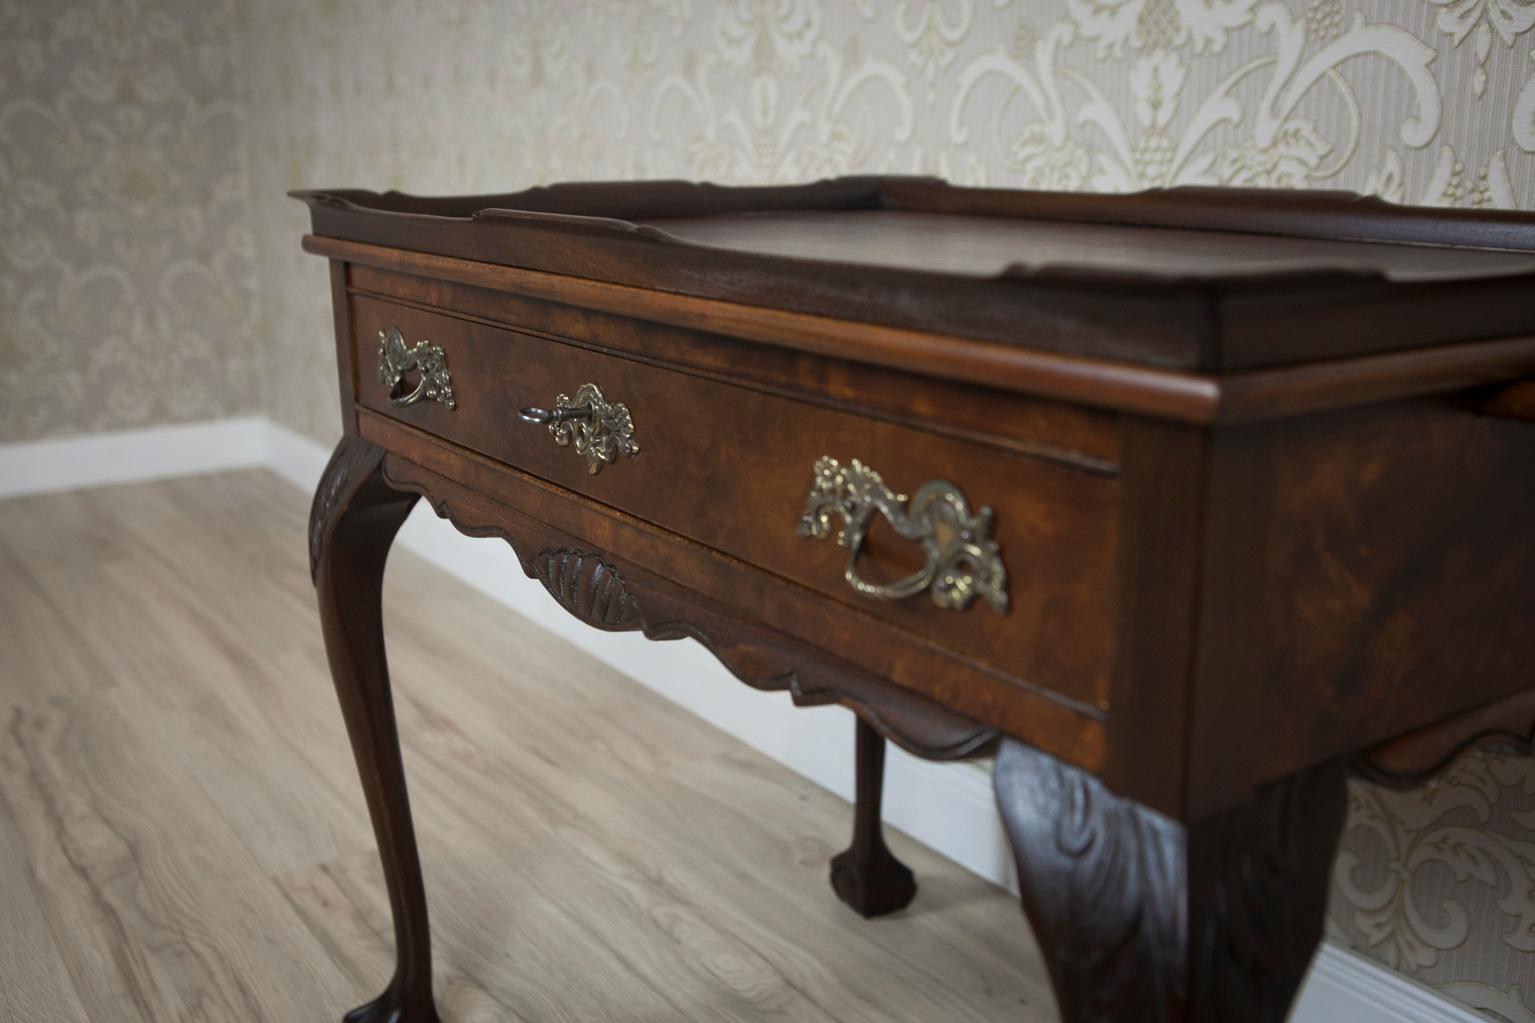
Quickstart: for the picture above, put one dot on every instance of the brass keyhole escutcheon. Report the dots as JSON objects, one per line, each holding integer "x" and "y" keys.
{"x": 600, "y": 430}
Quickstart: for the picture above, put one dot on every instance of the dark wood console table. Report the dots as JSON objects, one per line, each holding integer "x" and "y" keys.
{"x": 1185, "y": 504}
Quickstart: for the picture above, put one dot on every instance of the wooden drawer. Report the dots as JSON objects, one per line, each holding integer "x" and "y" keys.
{"x": 731, "y": 466}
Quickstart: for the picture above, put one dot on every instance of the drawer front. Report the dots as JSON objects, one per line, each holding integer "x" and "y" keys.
{"x": 731, "y": 467}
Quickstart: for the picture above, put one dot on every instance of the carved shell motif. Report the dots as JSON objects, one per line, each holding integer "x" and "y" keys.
{"x": 588, "y": 588}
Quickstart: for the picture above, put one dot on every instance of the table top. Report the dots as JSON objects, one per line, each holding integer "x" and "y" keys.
{"x": 1207, "y": 280}
{"x": 990, "y": 246}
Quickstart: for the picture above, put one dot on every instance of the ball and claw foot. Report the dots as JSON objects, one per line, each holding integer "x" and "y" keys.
{"x": 872, "y": 886}
{"x": 392, "y": 1007}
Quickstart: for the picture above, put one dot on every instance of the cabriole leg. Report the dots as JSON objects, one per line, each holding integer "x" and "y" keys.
{"x": 1142, "y": 918}
{"x": 352, "y": 524}
{"x": 867, "y": 876}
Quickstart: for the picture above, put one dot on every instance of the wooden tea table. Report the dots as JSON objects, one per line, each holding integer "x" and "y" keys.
{"x": 1184, "y": 503}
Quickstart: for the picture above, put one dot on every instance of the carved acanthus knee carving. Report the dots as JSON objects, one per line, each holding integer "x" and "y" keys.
{"x": 1141, "y": 917}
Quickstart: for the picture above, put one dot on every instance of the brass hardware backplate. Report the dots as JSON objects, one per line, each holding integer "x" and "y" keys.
{"x": 426, "y": 359}
{"x": 962, "y": 559}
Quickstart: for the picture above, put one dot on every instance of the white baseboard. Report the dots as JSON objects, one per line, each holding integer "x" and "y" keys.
{"x": 948, "y": 807}
{"x": 1345, "y": 987}
{"x": 128, "y": 456}
{"x": 294, "y": 457}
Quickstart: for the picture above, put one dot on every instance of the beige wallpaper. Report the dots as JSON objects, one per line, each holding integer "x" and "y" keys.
{"x": 143, "y": 161}
{"x": 126, "y": 288}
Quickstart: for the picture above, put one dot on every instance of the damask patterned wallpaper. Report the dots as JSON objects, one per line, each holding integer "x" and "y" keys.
{"x": 145, "y": 146}
{"x": 126, "y": 263}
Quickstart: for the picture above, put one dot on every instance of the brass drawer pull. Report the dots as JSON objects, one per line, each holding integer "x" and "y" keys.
{"x": 601, "y": 431}
{"x": 962, "y": 559}
{"x": 427, "y": 359}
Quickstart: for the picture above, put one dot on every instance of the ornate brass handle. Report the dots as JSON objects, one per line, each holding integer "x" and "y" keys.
{"x": 600, "y": 430}
{"x": 962, "y": 560}
{"x": 426, "y": 359}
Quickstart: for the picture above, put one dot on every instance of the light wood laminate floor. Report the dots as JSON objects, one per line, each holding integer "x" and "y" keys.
{"x": 182, "y": 835}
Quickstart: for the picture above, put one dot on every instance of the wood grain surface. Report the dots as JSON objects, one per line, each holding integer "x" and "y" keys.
{"x": 1202, "y": 279}
{"x": 181, "y": 837}
{"x": 730, "y": 467}
{"x": 975, "y": 244}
